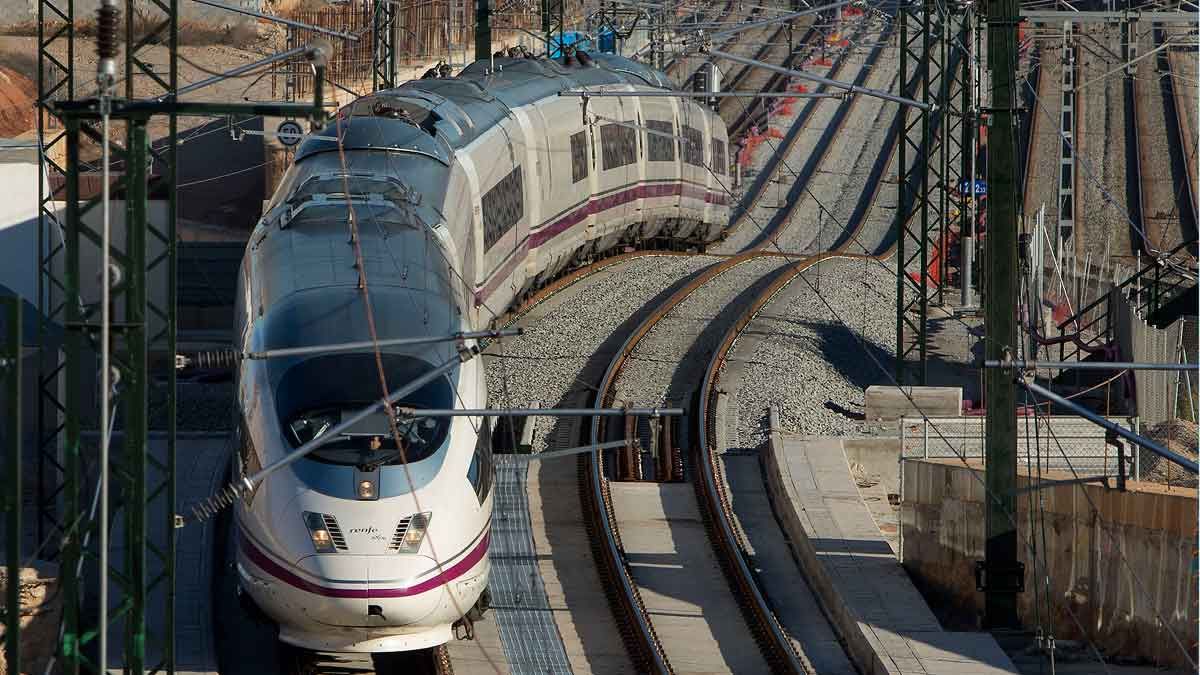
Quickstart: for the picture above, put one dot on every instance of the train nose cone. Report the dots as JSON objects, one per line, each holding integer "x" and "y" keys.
{"x": 376, "y": 591}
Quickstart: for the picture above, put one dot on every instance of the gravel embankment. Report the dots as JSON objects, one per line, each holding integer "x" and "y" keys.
{"x": 545, "y": 363}
{"x": 668, "y": 364}
{"x": 808, "y": 362}
{"x": 1102, "y": 223}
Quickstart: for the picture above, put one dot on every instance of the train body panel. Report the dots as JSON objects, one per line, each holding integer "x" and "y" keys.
{"x": 461, "y": 194}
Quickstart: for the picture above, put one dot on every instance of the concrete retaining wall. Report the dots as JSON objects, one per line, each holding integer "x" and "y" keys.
{"x": 1123, "y": 576}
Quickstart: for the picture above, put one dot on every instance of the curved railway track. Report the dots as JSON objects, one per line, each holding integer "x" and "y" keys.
{"x": 761, "y": 274}
{"x": 764, "y": 273}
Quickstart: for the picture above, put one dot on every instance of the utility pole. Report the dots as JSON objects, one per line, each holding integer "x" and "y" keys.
{"x": 1001, "y": 576}
{"x": 483, "y": 29}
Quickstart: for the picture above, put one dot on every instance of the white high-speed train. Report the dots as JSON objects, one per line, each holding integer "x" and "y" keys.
{"x": 467, "y": 192}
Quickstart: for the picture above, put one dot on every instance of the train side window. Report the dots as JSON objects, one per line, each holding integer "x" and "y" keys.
{"x": 503, "y": 206}
{"x": 483, "y": 468}
{"x": 660, "y": 142}
{"x": 718, "y": 156}
{"x": 579, "y": 158}
{"x": 618, "y": 144}
{"x": 693, "y": 146}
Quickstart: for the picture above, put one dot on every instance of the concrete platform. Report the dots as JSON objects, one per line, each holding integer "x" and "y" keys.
{"x": 521, "y": 619}
{"x": 884, "y": 621}
{"x": 778, "y": 575}
{"x": 687, "y": 597}
{"x": 578, "y": 604}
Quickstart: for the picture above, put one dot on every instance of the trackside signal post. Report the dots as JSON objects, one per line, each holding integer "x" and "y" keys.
{"x": 1000, "y": 576}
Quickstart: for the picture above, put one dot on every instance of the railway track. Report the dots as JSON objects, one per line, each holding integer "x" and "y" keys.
{"x": 651, "y": 368}
{"x": 622, "y": 537}
{"x": 1042, "y": 139}
{"x": 741, "y": 276}
{"x": 1167, "y": 211}
{"x": 1180, "y": 75}
{"x": 828, "y": 117}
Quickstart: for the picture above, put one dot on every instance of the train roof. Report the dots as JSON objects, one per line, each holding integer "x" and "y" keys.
{"x": 435, "y": 116}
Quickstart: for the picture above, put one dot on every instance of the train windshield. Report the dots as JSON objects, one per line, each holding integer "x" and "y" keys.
{"x": 353, "y": 185}
{"x": 317, "y": 394}
{"x": 371, "y": 441}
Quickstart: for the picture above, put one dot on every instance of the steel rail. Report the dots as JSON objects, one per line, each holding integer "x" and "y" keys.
{"x": 715, "y": 501}
{"x": 1133, "y": 136}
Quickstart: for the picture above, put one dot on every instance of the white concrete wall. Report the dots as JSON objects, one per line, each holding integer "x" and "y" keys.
{"x": 18, "y": 220}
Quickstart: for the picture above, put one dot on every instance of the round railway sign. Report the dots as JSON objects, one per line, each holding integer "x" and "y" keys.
{"x": 289, "y": 132}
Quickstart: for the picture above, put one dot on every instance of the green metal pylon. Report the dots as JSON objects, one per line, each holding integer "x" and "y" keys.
{"x": 1003, "y": 575}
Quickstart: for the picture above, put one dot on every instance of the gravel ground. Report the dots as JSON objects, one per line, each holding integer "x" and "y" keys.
{"x": 1162, "y": 177}
{"x": 544, "y": 365}
{"x": 807, "y": 361}
{"x": 667, "y": 365}
{"x": 1102, "y": 225}
{"x": 1046, "y": 142}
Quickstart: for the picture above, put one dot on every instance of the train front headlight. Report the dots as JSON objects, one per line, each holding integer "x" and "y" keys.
{"x": 318, "y": 530}
{"x": 414, "y": 534}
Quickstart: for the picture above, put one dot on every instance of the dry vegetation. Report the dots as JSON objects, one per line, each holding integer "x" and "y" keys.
{"x": 16, "y": 103}
{"x": 1179, "y": 436}
{"x": 191, "y": 33}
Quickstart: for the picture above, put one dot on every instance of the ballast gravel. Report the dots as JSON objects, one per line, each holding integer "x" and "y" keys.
{"x": 822, "y": 341}
{"x": 1103, "y": 199}
{"x": 668, "y": 364}
{"x": 561, "y": 335}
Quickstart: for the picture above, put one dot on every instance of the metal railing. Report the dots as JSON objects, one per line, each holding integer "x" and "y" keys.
{"x": 1062, "y": 443}
{"x": 1151, "y": 287}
